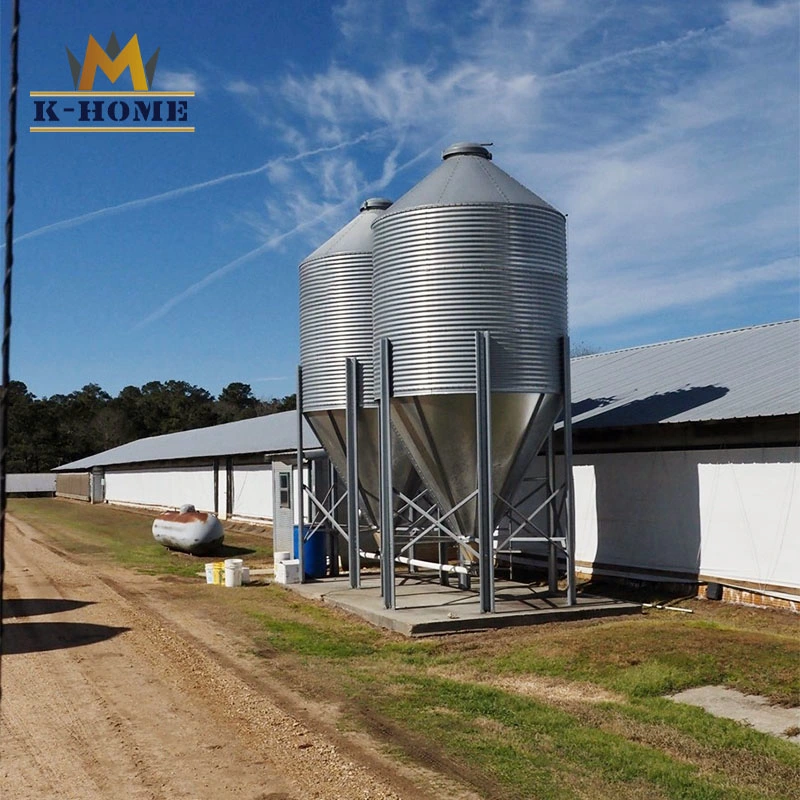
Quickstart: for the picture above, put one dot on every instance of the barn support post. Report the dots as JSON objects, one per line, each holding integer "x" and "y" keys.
{"x": 300, "y": 491}
{"x": 569, "y": 483}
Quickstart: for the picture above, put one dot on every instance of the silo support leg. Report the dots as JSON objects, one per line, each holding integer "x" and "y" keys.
{"x": 444, "y": 575}
{"x": 333, "y": 534}
{"x": 352, "y": 474}
{"x": 552, "y": 563}
{"x": 386, "y": 498}
{"x": 483, "y": 416}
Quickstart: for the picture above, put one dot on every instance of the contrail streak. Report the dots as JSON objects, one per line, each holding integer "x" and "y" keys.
{"x": 220, "y": 272}
{"x": 73, "y": 222}
{"x": 614, "y": 58}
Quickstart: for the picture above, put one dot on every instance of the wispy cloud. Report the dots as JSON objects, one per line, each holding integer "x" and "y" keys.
{"x": 650, "y": 293}
{"x": 389, "y": 172}
{"x": 758, "y": 20}
{"x": 668, "y": 133}
{"x": 172, "y": 81}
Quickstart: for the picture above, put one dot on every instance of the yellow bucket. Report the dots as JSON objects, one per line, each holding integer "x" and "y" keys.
{"x": 219, "y": 573}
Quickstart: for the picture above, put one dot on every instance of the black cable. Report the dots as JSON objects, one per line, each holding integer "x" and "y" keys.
{"x": 12, "y": 148}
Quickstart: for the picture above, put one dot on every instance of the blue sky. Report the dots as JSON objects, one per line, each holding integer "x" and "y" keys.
{"x": 667, "y": 131}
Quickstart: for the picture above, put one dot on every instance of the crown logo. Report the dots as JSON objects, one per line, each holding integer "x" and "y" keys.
{"x": 113, "y": 61}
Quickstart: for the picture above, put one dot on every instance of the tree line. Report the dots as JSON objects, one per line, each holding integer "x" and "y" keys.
{"x": 49, "y": 431}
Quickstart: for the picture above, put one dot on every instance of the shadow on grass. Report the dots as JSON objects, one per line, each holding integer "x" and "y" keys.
{"x": 19, "y": 607}
{"x": 231, "y": 551}
{"x": 220, "y": 551}
{"x": 38, "y": 637}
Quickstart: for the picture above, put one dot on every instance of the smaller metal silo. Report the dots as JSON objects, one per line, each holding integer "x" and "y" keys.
{"x": 336, "y": 325}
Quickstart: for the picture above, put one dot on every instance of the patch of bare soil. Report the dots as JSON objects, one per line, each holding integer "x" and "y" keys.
{"x": 110, "y": 690}
{"x": 554, "y": 691}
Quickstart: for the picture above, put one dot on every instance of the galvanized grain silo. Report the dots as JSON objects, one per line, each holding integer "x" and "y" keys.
{"x": 471, "y": 249}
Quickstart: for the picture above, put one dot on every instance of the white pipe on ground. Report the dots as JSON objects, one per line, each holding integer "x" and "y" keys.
{"x": 416, "y": 562}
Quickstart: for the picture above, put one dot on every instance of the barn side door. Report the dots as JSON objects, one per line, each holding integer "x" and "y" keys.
{"x": 97, "y": 486}
{"x": 282, "y": 501}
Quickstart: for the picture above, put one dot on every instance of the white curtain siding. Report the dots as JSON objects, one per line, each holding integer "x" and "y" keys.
{"x": 252, "y": 491}
{"x": 585, "y": 513}
{"x": 168, "y": 488}
{"x": 730, "y": 514}
{"x": 647, "y": 511}
{"x": 31, "y": 482}
{"x": 750, "y": 516}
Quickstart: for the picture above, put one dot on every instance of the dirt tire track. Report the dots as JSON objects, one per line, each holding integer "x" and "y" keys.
{"x": 314, "y": 713}
{"x": 163, "y": 709}
{"x": 141, "y": 714}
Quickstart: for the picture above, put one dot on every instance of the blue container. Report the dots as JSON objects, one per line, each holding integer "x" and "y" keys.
{"x": 315, "y": 556}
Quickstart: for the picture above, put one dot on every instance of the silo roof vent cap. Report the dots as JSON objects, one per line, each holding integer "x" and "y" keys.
{"x": 468, "y": 149}
{"x": 379, "y": 203}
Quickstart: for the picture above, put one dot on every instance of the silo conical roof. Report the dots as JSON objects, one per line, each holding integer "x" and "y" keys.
{"x": 464, "y": 179}
{"x": 356, "y": 236}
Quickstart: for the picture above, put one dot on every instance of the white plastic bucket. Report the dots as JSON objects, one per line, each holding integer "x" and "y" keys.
{"x": 210, "y": 573}
{"x": 233, "y": 577}
{"x": 233, "y": 572}
{"x": 245, "y": 576}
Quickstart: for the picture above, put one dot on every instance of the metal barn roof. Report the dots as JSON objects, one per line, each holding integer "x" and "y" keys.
{"x": 274, "y": 433}
{"x": 738, "y": 374}
{"x": 749, "y": 372}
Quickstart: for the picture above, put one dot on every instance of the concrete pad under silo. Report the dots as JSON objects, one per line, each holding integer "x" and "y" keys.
{"x": 424, "y": 607}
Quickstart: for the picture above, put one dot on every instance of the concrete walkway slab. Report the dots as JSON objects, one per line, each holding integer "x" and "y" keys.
{"x": 424, "y": 607}
{"x": 750, "y": 709}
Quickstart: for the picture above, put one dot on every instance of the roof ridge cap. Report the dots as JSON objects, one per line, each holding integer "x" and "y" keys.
{"x": 688, "y": 338}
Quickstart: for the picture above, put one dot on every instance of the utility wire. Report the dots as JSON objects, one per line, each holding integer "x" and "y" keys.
{"x": 10, "y": 163}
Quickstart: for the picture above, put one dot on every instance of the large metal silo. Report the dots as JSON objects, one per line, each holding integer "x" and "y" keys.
{"x": 336, "y": 324}
{"x": 471, "y": 249}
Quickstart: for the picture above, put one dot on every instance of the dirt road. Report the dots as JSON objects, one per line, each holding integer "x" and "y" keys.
{"x": 107, "y": 695}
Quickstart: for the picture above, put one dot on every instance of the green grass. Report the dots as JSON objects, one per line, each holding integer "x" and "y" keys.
{"x": 663, "y": 656}
{"x": 722, "y": 734}
{"x": 534, "y": 744}
{"x": 435, "y": 699}
{"x": 310, "y": 631}
{"x": 644, "y": 745}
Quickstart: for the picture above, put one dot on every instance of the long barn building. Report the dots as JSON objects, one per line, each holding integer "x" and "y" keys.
{"x": 686, "y": 463}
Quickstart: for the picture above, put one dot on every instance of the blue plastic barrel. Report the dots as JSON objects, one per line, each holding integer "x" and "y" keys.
{"x": 315, "y": 556}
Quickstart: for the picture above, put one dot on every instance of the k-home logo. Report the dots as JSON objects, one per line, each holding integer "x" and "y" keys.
{"x": 138, "y": 111}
